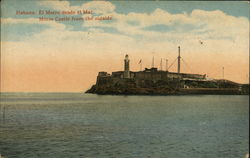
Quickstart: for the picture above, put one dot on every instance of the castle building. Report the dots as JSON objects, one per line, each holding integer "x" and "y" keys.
{"x": 154, "y": 81}
{"x": 147, "y": 76}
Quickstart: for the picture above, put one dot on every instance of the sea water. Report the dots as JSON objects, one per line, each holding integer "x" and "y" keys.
{"x": 72, "y": 125}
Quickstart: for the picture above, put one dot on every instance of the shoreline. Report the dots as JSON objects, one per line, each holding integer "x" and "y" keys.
{"x": 166, "y": 92}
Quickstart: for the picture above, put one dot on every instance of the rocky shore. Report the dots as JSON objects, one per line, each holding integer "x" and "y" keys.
{"x": 131, "y": 91}
{"x": 102, "y": 90}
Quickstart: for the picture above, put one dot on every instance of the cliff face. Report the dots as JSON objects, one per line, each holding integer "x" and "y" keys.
{"x": 129, "y": 90}
{"x": 129, "y": 86}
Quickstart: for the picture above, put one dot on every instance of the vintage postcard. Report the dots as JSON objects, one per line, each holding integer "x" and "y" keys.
{"x": 124, "y": 79}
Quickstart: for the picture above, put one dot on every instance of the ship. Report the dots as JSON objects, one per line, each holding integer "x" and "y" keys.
{"x": 152, "y": 81}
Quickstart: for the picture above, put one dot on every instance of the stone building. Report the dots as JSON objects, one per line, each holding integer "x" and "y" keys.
{"x": 149, "y": 76}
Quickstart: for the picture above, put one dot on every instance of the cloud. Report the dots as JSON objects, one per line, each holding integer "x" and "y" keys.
{"x": 206, "y": 24}
{"x": 198, "y": 24}
{"x": 31, "y": 21}
{"x": 99, "y": 7}
{"x": 58, "y": 5}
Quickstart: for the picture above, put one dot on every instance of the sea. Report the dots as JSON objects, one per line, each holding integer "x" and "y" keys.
{"x": 78, "y": 125}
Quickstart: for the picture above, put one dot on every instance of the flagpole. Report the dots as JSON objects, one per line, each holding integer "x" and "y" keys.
{"x": 161, "y": 64}
{"x": 140, "y": 62}
{"x": 153, "y": 60}
{"x": 166, "y": 64}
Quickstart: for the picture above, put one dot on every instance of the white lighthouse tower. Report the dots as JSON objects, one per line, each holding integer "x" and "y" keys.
{"x": 126, "y": 67}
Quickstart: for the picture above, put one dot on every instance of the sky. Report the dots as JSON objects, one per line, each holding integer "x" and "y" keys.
{"x": 66, "y": 56}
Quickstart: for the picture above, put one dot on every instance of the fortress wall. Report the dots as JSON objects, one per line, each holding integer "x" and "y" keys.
{"x": 143, "y": 78}
{"x": 157, "y": 76}
{"x": 194, "y": 76}
{"x": 174, "y": 75}
{"x": 118, "y": 74}
{"x": 118, "y": 81}
{"x": 103, "y": 73}
{"x": 103, "y": 80}
{"x": 154, "y": 75}
{"x": 151, "y": 75}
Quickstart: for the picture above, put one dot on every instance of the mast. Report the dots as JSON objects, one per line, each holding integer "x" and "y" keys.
{"x": 166, "y": 64}
{"x": 161, "y": 64}
{"x": 153, "y": 60}
{"x": 179, "y": 59}
{"x": 223, "y": 72}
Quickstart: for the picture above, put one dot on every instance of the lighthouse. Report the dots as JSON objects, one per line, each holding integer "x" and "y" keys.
{"x": 126, "y": 67}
